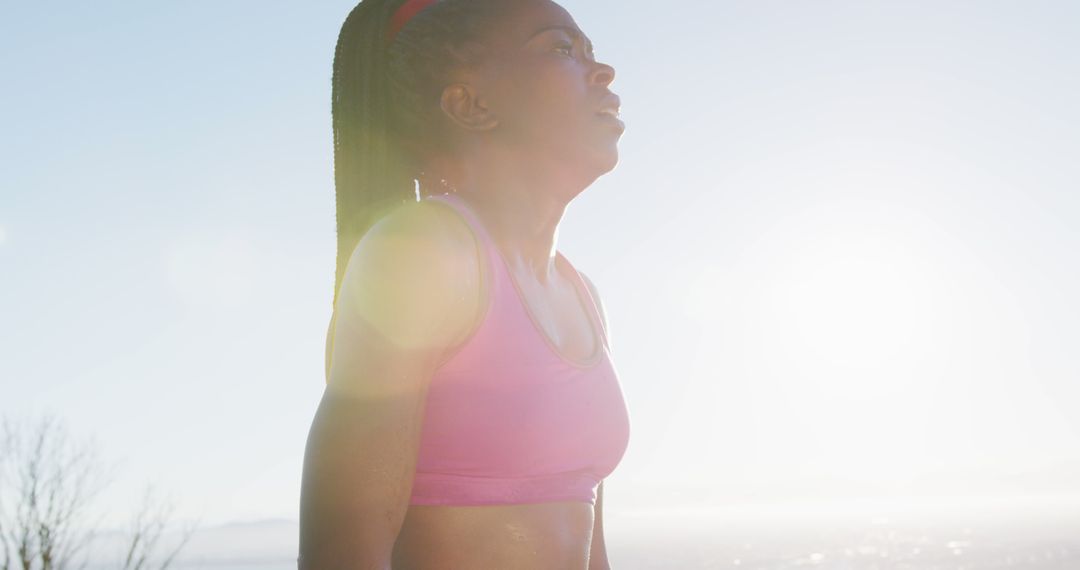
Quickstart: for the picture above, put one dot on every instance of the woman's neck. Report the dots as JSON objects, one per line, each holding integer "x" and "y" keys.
{"x": 520, "y": 210}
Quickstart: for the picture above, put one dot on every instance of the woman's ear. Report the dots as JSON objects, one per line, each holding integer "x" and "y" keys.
{"x": 466, "y": 108}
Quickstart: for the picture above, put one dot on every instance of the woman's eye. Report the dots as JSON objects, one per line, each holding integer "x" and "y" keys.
{"x": 568, "y": 47}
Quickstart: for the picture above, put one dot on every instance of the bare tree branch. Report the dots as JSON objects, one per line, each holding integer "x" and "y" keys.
{"x": 5, "y": 452}
{"x": 149, "y": 525}
{"x": 47, "y": 485}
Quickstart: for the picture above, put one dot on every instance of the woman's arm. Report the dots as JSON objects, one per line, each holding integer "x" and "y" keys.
{"x": 399, "y": 306}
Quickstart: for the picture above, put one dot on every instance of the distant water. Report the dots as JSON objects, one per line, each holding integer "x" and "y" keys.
{"x": 1046, "y": 537}
{"x": 1043, "y": 537}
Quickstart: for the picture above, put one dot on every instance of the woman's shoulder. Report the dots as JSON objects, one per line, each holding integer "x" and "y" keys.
{"x": 448, "y": 230}
{"x": 426, "y": 240}
{"x": 428, "y": 224}
{"x": 414, "y": 269}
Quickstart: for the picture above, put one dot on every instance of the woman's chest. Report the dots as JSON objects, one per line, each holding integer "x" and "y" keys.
{"x": 561, "y": 317}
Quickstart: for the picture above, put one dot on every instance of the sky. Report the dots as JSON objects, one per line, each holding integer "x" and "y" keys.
{"x": 836, "y": 254}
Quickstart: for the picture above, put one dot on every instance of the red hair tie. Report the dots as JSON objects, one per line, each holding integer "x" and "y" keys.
{"x": 403, "y": 14}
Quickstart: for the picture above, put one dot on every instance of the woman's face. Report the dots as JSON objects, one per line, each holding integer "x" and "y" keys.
{"x": 546, "y": 90}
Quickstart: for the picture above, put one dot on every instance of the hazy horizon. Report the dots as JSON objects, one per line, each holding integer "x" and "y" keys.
{"x": 975, "y": 535}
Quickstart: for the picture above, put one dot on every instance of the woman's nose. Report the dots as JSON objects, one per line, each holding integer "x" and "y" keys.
{"x": 603, "y": 74}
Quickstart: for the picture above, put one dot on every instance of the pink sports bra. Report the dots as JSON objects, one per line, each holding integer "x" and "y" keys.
{"x": 508, "y": 419}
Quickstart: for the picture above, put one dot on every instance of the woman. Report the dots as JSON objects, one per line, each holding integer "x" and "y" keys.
{"x": 472, "y": 409}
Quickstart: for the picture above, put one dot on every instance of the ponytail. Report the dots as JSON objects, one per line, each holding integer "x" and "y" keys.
{"x": 385, "y": 104}
{"x": 370, "y": 173}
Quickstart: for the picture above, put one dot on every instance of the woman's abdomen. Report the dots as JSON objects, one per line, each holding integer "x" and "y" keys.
{"x": 514, "y": 537}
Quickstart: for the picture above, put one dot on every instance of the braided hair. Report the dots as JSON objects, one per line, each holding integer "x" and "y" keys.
{"x": 385, "y": 104}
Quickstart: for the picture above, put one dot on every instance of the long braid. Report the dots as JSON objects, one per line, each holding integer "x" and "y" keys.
{"x": 385, "y": 104}
{"x": 368, "y": 178}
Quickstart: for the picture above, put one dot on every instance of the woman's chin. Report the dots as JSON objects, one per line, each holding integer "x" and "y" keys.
{"x": 608, "y": 158}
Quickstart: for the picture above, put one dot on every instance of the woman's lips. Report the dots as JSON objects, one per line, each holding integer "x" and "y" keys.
{"x": 612, "y": 120}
